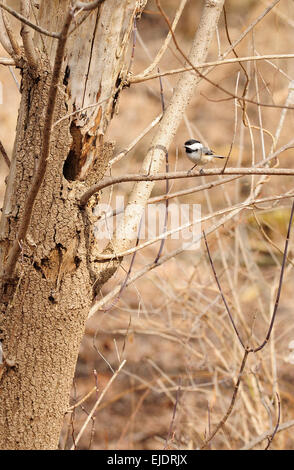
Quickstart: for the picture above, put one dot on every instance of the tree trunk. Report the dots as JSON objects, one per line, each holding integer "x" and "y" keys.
{"x": 45, "y": 304}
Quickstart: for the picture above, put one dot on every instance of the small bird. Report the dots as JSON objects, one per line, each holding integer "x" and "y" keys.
{"x": 199, "y": 154}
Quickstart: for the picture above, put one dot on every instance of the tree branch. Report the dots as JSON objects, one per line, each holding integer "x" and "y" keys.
{"x": 144, "y": 77}
{"x": 271, "y": 437}
{"x": 179, "y": 175}
{"x": 266, "y": 340}
{"x": 12, "y": 39}
{"x": 257, "y": 440}
{"x": 6, "y": 60}
{"x": 4, "y": 38}
{"x": 27, "y": 38}
{"x": 88, "y": 6}
{"x": 4, "y": 154}
{"x": 233, "y": 400}
{"x": 165, "y": 44}
{"x": 204, "y": 77}
{"x": 124, "y": 152}
{"x": 241, "y": 205}
{"x": 27, "y": 22}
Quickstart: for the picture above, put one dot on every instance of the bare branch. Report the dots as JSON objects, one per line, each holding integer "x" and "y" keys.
{"x": 98, "y": 401}
{"x": 12, "y": 39}
{"x": 123, "y": 153}
{"x": 204, "y": 77}
{"x": 166, "y": 42}
{"x": 6, "y": 60}
{"x": 233, "y": 400}
{"x": 142, "y": 78}
{"x": 218, "y": 182}
{"x": 279, "y": 286}
{"x": 88, "y": 6}
{"x": 270, "y": 439}
{"x": 179, "y": 175}
{"x": 27, "y": 22}
{"x": 257, "y": 440}
{"x": 221, "y": 292}
{"x": 242, "y": 205}
{"x": 148, "y": 267}
{"x": 4, "y": 154}
{"x": 80, "y": 110}
{"x": 26, "y": 34}
{"x": 39, "y": 174}
{"x": 4, "y": 38}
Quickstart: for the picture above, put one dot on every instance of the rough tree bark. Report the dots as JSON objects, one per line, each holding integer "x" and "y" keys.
{"x": 45, "y": 304}
{"x": 47, "y": 294}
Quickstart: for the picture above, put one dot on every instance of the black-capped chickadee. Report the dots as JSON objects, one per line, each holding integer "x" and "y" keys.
{"x": 197, "y": 153}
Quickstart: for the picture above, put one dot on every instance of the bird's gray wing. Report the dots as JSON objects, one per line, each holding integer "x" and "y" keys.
{"x": 207, "y": 151}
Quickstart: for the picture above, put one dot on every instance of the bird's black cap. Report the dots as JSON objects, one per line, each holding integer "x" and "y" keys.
{"x": 191, "y": 142}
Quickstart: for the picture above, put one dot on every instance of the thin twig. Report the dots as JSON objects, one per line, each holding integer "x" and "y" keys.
{"x": 235, "y": 44}
{"x": 170, "y": 255}
{"x": 6, "y": 61}
{"x": 80, "y": 110}
{"x": 166, "y": 183}
{"x": 270, "y": 439}
{"x": 165, "y": 234}
{"x": 247, "y": 349}
{"x": 124, "y": 152}
{"x": 97, "y": 403}
{"x": 257, "y": 440}
{"x": 279, "y": 286}
{"x": 242, "y": 102}
{"x": 165, "y": 44}
{"x": 29, "y": 23}
{"x": 11, "y": 70}
{"x": 134, "y": 45}
{"x": 12, "y": 39}
{"x": 173, "y": 416}
{"x": 233, "y": 400}
{"x": 4, "y": 154}
{"x": 141, "y": 78}
{"x": 221, "y": 292}
{"x": 204, "y": 77}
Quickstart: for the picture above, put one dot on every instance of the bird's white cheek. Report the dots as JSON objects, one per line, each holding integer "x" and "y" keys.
{"x": 196, "y": 147}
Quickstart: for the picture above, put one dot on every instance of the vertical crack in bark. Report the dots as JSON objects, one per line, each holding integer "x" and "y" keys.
{"x": 90, "y": 57}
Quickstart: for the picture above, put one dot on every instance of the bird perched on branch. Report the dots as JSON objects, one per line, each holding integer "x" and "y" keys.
{"x": 198, "y": 154}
